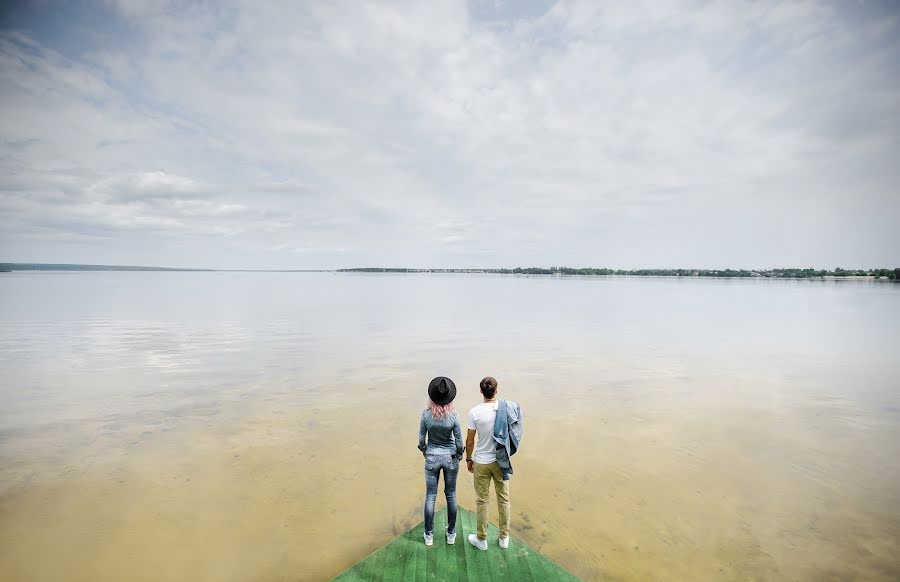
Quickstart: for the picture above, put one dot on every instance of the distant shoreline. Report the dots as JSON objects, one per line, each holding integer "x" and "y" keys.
{"x": 821, "y": 274}
{"x": 788, "y": 273}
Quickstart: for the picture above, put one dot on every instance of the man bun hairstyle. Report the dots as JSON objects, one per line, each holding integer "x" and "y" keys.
{"x": 488, "y": 387}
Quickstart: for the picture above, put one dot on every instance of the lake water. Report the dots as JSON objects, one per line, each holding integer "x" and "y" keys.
{"x": 262, "y": 426}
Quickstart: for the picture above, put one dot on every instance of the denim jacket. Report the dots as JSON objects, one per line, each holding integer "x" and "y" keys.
{"x": 507, "y": 434}
{"x": 444, "y": 435}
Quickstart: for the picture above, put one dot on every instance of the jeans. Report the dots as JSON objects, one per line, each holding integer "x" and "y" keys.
{"x": 433, "y": 466}
{"x": 484, "y": 474}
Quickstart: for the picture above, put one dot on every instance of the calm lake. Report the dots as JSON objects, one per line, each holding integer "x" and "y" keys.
{"x": 262, "y": 426}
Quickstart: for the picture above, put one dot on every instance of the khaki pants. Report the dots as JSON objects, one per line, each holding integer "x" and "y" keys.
{"x": 484, "y": 474}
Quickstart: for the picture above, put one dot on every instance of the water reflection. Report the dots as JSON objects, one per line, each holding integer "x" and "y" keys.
{"x": 215, "y": 426}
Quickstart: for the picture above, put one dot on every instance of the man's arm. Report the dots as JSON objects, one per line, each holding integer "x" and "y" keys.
{"x": 470, "y": 446}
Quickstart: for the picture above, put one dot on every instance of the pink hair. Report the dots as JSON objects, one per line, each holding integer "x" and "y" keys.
{"x": 439, "y": 411}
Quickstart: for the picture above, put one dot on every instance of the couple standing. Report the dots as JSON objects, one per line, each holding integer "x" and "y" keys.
{"x": 495, "y": 428}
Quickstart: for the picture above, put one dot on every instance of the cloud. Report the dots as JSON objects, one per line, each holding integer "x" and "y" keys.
{"x": 284, "y": 186}
{"x": 356, "y": 133}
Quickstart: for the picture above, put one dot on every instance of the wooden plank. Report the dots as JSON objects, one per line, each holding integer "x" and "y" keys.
{"x": 407, "y": 558}
{"x": 446, "y": 564}
{"x": 433, "y": 553}
{"x": 476, "y": 560}
{"x": 510, "y": 559}
{"x": 520, "y": 552}
{"x": 493, "y": 554}
{"x": 420, "y": 557}
{"x": 394, "y": 562}
{"x": 526, "y": 570}
{"x": 462, "y": 568}
{"x": 538, "y": 571}
{"x": 464, "y": 525}
{"x": 498, "y": 567}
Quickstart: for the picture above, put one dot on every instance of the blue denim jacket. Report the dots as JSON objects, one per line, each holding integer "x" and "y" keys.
{"x": 444, "y": 435}
{"x": 507, "y": 434}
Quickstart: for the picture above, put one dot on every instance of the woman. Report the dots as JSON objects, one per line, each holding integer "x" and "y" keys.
{"x": 440, "y": 428}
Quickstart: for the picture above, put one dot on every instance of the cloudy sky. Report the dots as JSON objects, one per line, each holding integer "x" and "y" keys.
{"x": 500, "y": 133}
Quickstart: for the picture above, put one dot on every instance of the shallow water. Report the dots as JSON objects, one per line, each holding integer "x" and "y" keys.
{"x": 261, "y": 426}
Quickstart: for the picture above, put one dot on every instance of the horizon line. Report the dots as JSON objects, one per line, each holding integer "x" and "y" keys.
{"x": 95, "y": 266}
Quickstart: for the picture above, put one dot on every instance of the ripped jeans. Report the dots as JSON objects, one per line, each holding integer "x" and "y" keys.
{"x": 433, "y": 466}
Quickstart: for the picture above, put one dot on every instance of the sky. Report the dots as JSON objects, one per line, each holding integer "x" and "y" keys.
{"x": 291, "y": 135}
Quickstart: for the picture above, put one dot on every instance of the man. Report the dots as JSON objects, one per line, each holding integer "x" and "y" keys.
{"x": 484, "y": 465}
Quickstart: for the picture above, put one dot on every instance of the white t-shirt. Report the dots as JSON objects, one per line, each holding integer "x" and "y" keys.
{"x": 481, "y": 419}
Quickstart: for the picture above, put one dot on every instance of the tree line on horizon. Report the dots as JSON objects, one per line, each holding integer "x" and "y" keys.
{"x": 788, "y": 273}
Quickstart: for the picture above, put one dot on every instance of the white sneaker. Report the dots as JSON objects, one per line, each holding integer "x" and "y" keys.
{"x": 480, "y": 544}
{"x": 451, "y": 538}
{"x": 504, "y": 542}
{"x": 429, "y": 539}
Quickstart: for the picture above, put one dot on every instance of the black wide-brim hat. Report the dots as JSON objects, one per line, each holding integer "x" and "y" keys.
{"x": 442, "y": 390}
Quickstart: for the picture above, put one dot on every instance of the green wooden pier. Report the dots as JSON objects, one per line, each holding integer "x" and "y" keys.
{"x": 407, "y": 559}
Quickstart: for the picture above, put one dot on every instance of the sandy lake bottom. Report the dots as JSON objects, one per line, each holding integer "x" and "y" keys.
{"x": 262, "y": 427}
